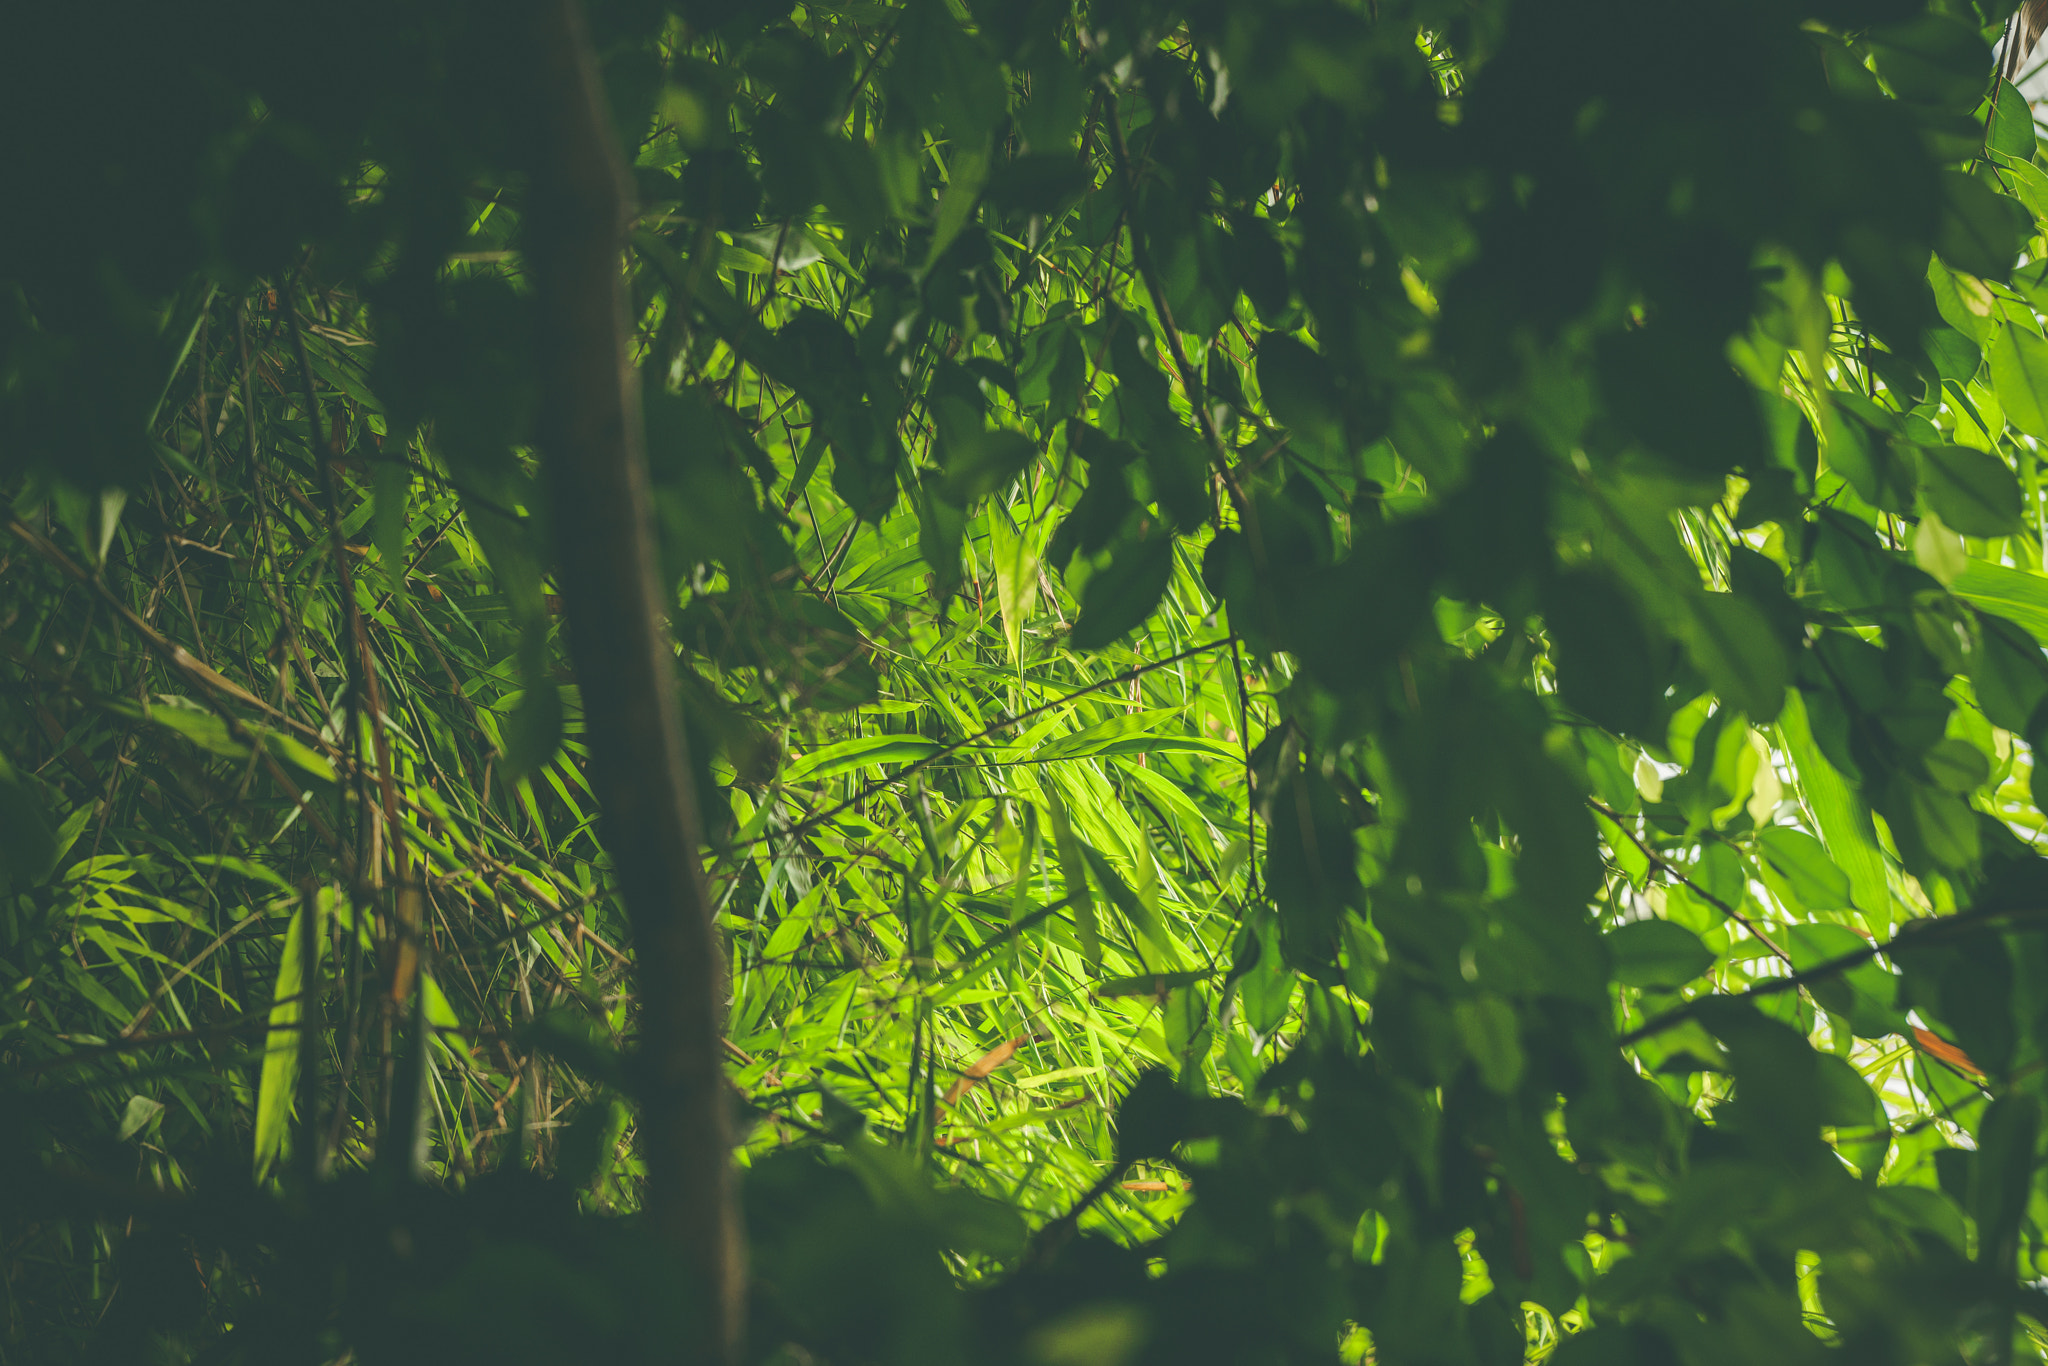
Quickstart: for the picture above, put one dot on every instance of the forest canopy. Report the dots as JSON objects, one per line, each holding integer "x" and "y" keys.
{"x": 1059, "y": 682}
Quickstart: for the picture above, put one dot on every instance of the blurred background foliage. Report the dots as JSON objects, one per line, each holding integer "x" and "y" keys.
{"x": 1362, "y": 672}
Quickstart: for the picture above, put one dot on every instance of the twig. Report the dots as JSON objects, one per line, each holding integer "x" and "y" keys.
{"x": 1672, "y": 871}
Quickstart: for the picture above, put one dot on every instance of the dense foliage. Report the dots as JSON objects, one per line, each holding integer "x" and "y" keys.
{"x": 1361, "y": 677}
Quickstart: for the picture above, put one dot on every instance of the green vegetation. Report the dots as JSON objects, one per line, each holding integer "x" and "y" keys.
{"x": 1352, "y": 680}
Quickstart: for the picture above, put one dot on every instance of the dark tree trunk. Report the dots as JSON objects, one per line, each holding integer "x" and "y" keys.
{"x": 592, "y": 447}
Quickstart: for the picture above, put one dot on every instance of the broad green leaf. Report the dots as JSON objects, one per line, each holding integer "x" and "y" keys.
{"x": 2007, "y": 671}
{"x": 1123, "y": 593}
{"x": 1974, "y": 493}
{"x": 1297, "y": 386}
{"x": 2019, "y": 372}
{"x": 2006, "y": 1139}
{"x": 1979, "y": 230}
{"x": 1956, "y": 765}
{"x": 2011, "y": 130}
{"x": 1813, "y": 877}
{"x": 1844, "y": 821}
{"x": 985, "y": 462}
{"x": 1879, "y": 468}
{"x": 1733, "y": 644}
{"x": 2028, "y": 181}
{"x": 1934, "y": 60}
{"x": 1939, "y": 551}
{"x": 1657, "y": 954}
{"x": 1492, "y": 1036}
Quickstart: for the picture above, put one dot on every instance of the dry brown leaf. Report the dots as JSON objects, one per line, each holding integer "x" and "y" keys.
{"x": 1936, "y": 1046}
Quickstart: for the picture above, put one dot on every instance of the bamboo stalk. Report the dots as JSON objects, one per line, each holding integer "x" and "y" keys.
{"x": 591, "y": 440}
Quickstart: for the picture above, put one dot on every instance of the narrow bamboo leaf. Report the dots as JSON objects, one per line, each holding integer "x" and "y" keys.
{"x": 392, "y": 487}
{"x": 831, "y": 760}
{"x": 1158, "y": 984}
{"x": 277, "y": 1084}
{"x": 1074, "y": 869}
{"x": 1016, "y": 581}
{"x": 1144, "y": 732}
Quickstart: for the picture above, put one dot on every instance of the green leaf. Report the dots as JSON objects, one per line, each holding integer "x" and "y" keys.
{"x": 202, "y": 727}
{"x": 1145, "y": 732}
{"x": 1865, "y": 994}
{"x": 1157, "y": 984}
{"x": 1074, "y": 872}
{"x": 2015, "y": 594}
{"x": 2019, "y": 375}
{"x": 299, "y": 755}
{"x": 1732, "y": 642}
{"x": 2006, "y": 1141}
{"x": 831, "y": 760}
{"x": 1974, "y": 492}
{"x": 1980, "y": 230}
{"x": 2007, "y": 670}
{"x": 1016, "y": 581}
{"x": 1299, "y": 389}
{"x": 1604, "y": 661}
{"x": 392, "y": 485}
{"x": 1813, "y": 877}
{"x": 1944, "y": 825}
{"x": 534, "y": 730}
{"x": 1657, "y": 954}
{"x": 1933, "y": 60}
{"x": 1121, "y": 595}
{"x": 981, "y": 463}
{"x": 1956, "y": 766}
{"x": 139, "y": 1114}
{"x": 1493, "y": 1037}
{"x": 1880, "y": 469}
{"x": 969, "y": 170}
{"x": 2028, "y": 180}
{"x": 1844, "y": 820}
{"x": 1846, "y": 1100}
{"x": 297, "y": 969}
{"x": 2011, "y": 124}
{"x": 941, "y": 531}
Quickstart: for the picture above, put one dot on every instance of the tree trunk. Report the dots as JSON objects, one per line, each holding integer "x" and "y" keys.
{"x": 592, "y": 446}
